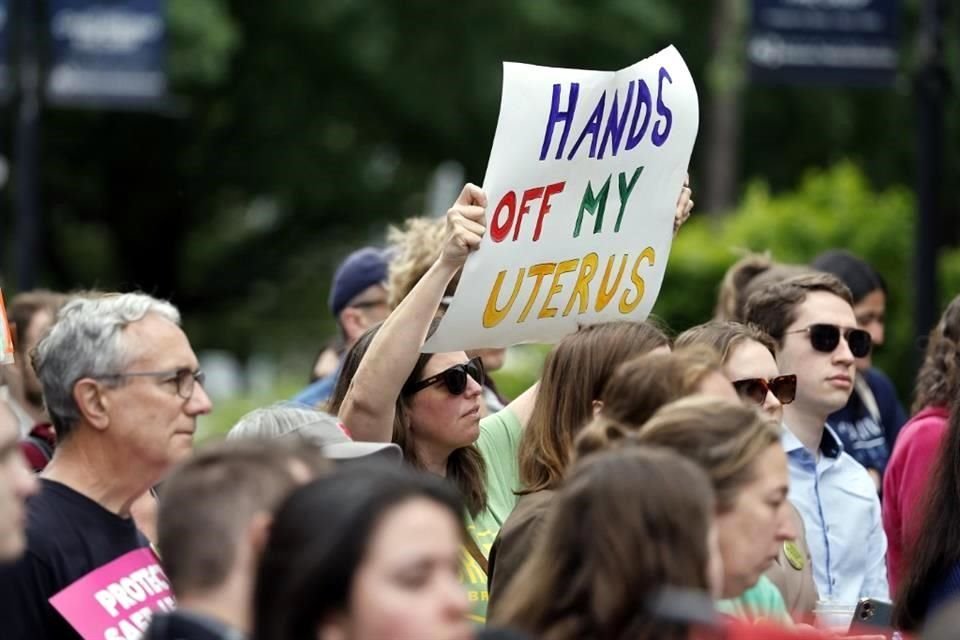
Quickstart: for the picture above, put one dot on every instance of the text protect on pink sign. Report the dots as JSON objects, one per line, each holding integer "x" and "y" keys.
{"x": 116, "y": 601}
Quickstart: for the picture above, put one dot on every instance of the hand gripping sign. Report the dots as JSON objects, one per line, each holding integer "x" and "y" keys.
{"x": 582, "y": 183}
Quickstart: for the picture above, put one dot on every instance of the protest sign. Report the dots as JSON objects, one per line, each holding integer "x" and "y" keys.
{"x": 822, "y": 42}
{"x": 582, "y": 184}
{"x": 6, "y": 338}
{"x": 116, "y": 601}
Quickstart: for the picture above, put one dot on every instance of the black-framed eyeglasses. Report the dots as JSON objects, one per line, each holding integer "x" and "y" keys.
{"x": 826, "y": 337}
{"x": 185, "y": 379}
{"x": 454, "y": 378}
{"x": 783, "y": 388}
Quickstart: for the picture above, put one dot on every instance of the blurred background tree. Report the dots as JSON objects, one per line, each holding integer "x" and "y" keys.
{"x": 303, "y": 127}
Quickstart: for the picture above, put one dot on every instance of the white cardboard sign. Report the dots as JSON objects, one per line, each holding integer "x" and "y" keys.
{"x": 582, "y": 184}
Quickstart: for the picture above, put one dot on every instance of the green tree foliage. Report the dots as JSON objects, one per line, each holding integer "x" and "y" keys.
{"x": 828, "y": 209}
{"x": 302, "y": 126}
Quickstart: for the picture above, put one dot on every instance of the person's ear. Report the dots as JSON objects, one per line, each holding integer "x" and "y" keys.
{"x": 258, "y": 532}
{"x": 354, "y": 323}
{"x": 93, "y": 404}
{"x": 597, "y": 407}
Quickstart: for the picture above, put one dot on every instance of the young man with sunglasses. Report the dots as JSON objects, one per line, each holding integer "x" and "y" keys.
{"x": 812, "y": 321}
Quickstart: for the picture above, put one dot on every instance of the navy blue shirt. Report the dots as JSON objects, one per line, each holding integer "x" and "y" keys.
{"x": 68, "y": 536}
{"x": 319, "y": 391}
{"x": 867, "y": 438}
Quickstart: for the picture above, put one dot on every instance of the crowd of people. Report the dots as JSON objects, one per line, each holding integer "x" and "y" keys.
{"x": 754, "y": 476}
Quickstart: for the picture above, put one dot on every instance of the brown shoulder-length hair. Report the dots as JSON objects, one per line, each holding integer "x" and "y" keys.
{"x": 724, "y": 437}
{"x": 938, "y": 382}
{"x": 414, "y": 248}
{"x": 625, "y": 525}
{"x": 934, "y": 552}
{"x": 574, "y": 375}
{"x": 465, "y": 466}
{"x": 645, "y": 383}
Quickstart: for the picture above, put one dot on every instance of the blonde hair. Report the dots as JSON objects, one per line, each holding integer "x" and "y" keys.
{"x": 415, "y": 246}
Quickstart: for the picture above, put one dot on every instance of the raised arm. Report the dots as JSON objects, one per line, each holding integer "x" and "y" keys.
{"x": 522, "y": 405}
{"x": 369, "y": 406}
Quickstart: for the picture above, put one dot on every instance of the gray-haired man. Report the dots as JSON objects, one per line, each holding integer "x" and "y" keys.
{"x": 123, "y": 390}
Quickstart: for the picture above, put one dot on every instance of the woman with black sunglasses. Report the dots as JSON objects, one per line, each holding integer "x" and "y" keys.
{"x": 429, "y": 404}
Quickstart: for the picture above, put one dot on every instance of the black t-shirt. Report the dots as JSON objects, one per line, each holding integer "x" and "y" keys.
{"x": 68, "y": 536}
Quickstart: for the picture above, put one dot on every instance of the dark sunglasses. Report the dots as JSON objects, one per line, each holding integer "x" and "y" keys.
{"x": 826, "y": 337}
{"x": 783, "y": 388}
{"x": 454, "y": 378}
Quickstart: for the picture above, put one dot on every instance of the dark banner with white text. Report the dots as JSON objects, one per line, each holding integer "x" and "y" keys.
{"x": 107, "y": 53}
{"x": 5, "y": 79}
{"x": 832, "y": 42}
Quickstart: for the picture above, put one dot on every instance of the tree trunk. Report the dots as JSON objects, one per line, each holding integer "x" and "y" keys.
{"x": 725, "y": 85}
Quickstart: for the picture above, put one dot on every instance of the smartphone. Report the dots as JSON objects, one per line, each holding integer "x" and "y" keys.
{"x": 873, "y": 613}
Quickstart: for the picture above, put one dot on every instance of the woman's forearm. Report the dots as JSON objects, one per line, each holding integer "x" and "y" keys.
{"x": 369, "y": 406}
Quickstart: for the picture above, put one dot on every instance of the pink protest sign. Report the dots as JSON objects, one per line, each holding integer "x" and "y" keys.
{"x": 116, "y": 601}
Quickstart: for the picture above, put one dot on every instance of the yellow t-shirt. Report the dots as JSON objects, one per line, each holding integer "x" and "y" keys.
{"x": 498, "y": 443}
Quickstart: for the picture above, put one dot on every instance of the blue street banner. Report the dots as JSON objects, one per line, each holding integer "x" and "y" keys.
{"x": 5, "y": 86}
{"x": 107, "y": 53}
{"x": 831, "y": 42}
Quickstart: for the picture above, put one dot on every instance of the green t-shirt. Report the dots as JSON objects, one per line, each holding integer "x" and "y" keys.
{"x": 498, "y": 443}
{"x": 762, "y": 601}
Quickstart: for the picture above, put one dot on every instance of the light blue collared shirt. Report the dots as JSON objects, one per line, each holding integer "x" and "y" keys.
{"x": 841, "y": 515}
